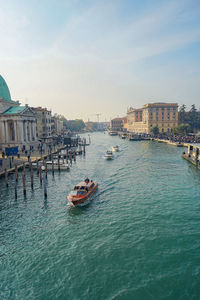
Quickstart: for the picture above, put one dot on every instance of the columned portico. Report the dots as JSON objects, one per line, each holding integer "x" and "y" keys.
{"x": 18, "y": 130}
{"x": 17, "y": 123}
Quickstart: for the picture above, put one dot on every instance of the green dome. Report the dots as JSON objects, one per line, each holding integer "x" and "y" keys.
{"x": 4, "y": 90}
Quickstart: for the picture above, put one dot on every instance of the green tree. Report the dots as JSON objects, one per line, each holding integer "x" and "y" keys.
{"x": 193, "y": 117}
{"x": 182, "y": 114}
{"x": 75, "y": 125}
{"x": 183, "y": 128}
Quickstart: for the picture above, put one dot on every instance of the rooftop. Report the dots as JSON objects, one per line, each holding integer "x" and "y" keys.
{"x": 14, "y": 110}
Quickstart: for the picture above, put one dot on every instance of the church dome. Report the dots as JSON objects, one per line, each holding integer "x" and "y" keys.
{"x": 4, "y": 90}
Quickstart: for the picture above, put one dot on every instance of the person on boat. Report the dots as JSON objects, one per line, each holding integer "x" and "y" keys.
{"x": 87, "y": 180}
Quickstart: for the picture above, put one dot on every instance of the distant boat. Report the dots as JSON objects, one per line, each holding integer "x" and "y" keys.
{"x": 82, "y": 192}
{"x": 112, "y": 133}
{"x": 123, "y": 136}
{"x": 109, "y": 155}
{"x": 115, "y": 148}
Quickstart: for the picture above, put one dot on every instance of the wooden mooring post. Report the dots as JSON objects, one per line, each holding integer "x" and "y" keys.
{"x": 31, "y": 173}
{"x": 6, "y": 177}
{"x": 44, "y": 182}
{"x": 59, "y": 163}
{"x": 16, "y": 180}
{"x": 67, "y": 155}
{"x": 74, "y": 154}
{"x": 37, "y": 167}
{"x": 40, "y": 175}
{"x": 15, "y": 189}
{"x": 24, "y": 180}
{"x": 46, "y": 170}
{"x": 52, "y": 166}
{"x": 70, "y": 158}
{"x": 16, "y": 173}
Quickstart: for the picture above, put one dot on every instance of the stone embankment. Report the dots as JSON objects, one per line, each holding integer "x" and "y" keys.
{"x": 177, "y": 144}
{"x": 191, "y": 160}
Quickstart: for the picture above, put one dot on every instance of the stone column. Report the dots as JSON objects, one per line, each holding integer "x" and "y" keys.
{"x": 35, "y": 131}
{"x": 4, "y": 137}
{"x": 31, "y": 131}
{"x": 28, "y": 131}
{"x": 24, "y": 130}
{"x": 7, "y": 132}
{"x": 20, "y": 131}
{"x": 15, "y": 132}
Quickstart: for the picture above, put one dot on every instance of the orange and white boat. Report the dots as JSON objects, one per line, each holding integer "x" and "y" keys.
{"x": 82, "y": 192}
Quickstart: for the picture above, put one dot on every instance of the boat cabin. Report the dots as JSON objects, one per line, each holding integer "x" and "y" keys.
{"x": 82, "y": 188}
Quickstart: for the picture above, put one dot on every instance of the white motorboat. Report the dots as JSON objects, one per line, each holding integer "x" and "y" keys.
{"x": 108, "y": 155}
{"x": 115, "y": 148}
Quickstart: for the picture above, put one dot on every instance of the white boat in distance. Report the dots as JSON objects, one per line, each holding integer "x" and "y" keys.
{"x": 108, "y": 155}
{"x": 115, "y": 148}
{"x": 112, "y": 133}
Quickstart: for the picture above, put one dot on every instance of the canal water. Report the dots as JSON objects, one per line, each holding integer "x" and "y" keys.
{"x": 137, "y": 239}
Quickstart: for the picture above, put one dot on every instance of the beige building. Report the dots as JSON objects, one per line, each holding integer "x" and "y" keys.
{"x": 56, "y": 125}
{"x": 43, "y": 117}
{"x": 162, "y": 115}
{"x": 117, "y": 124}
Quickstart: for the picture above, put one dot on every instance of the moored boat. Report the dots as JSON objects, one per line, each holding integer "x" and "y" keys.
{"x": 82, "y": 192}
{"x": 62, "y": 166}
{"x": 112, "y": 133}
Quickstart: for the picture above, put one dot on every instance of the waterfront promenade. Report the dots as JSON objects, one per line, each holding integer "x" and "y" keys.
{"x": 10, "y": 162}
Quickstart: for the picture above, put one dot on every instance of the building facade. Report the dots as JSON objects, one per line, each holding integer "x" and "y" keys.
{"x": 117, "y": 124}
{"x": 161, "y": 115}
{"x": 43, "y": 117}
{"x": 56, "y": 125}
{"x": 17, "y": 123}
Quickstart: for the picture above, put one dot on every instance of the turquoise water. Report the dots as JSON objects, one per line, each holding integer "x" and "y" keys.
{"x": 139, "y": 238}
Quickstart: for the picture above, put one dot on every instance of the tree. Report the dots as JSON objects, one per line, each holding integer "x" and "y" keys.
{"x": 155, "y": 130}
{"x": 183, "y": 128}
{"x": 182, "y": 114}
{"x": 75, "y": 125}
{"x": 193, "y": 117}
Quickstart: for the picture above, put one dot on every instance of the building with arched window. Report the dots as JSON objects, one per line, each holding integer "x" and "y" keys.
{"x": 159, "y": 114}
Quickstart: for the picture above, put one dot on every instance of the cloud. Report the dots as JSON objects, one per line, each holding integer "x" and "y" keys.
{"x": 95, "y": 60}
{"x": 96, "y": 35}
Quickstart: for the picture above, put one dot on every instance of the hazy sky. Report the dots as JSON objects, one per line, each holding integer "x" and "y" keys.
{"x": 81, "y": 57}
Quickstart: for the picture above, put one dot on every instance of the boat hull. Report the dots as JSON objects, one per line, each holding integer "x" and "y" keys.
{"x": 108, "y": 157}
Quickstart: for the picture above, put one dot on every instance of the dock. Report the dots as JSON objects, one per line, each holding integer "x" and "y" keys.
{"x": 193, "y": 155}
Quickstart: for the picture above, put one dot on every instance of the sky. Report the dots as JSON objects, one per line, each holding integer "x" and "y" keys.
{"x": 80, "y": 58}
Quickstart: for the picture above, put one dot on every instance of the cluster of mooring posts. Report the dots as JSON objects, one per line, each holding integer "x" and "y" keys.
{"x": 193, "y": 155}
{"x": 58, "y": 158}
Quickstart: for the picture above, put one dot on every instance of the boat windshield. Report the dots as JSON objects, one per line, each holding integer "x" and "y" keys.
{"x": 81, "y": 192}
{"x": 73, "y": 193}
